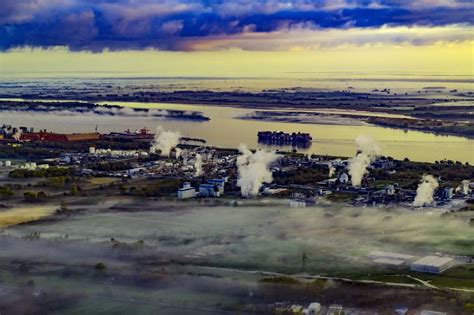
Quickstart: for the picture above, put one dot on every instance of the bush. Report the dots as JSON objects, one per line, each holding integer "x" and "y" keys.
{"x": 280, "y": 280}
{"x": 100, "y": 266}
{"x": 469, "y": 307}
{"x": 6, "y": 192}
{"x": 29, "y": 196}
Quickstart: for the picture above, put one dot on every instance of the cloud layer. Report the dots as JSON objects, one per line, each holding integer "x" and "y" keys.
{"x": 96, "y": 25}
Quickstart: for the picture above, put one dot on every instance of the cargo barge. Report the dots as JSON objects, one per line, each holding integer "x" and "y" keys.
{"x": 283, "y": 138}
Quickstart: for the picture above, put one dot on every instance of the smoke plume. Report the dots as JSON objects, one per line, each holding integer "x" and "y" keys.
{"x": 254, "y": 170}
{"x": 332, "y": 170}
{"x": 177, "y": 152}
{"x": 198, "y": 165}
{"x": 425, "y": 190}
{"x": 17, "y": 135}
{"x": 463, "y": 187}
{"x": 368, "y": 149}
{"x": 164, "y": 141}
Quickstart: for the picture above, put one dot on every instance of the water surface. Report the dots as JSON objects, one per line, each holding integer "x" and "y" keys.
{"x": 225, "y": 130}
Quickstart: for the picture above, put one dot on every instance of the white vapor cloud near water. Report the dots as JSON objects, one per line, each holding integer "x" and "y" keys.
{"x": 463, "y": 187}
{"x": 254, "y": 169}
{"x": 165, "y": 141}
{"x": 198, "y": 165}
{"x": 368, "y": 151}
{"x": 425, "y": 190}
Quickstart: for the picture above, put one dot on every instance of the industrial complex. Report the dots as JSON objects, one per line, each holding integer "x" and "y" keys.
{"x": 168, "y": 166}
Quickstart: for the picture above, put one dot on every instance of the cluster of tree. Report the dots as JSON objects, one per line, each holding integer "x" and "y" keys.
{"x": 57, "y": 181}
{"x": 436, "y": 126}
{"x": 49, "y": 172}
{"x": 300, "y": 176}
{"x": 414, "y": 170}
{"x": 162, "y": 188}
{"x": 6, "y": 192}
{"x": 25, "y": 152}
{"x": 31, "y": 196}
{"x": 110, "y": 166}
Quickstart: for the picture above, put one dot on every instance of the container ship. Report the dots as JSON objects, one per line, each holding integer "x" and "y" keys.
{"x": 283, "y": 138}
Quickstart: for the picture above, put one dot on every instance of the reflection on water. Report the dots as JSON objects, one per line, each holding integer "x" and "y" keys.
{"x": 19, "y": 215}
{"x": 224, "y": 130}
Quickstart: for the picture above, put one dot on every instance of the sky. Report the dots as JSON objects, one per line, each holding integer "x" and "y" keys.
{"x": 236, "y": 38}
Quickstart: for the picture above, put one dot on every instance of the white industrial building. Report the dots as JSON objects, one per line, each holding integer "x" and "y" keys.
{"x": 296, "y": 309}
{"x": 5, "y": 163}
{"x": 213, "y": 187}
{"x": 29, "y": 166}
{"x": 447, "y": 193}
{"x": 432, "y": 264}
{"x": 187, "y": 191}
{"x": 209, "y": 190}
{"x": 219, "y": 182}
{"x": 344, "y": 178}
{"x": 296, "y": 203}
{"x": 390, "y": 190}
{"x": 313, "y": 309}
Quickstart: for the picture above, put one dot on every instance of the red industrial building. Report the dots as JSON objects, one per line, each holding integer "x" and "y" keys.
{"x": 58, "y": 137}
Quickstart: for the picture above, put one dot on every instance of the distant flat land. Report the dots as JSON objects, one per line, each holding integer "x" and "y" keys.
{"x": 444, "y": 114}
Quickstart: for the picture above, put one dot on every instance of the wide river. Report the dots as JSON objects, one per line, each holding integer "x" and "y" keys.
{"x": 225, "y": 130}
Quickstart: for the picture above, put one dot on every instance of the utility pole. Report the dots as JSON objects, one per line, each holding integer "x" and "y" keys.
{"x": 304, "y": 257}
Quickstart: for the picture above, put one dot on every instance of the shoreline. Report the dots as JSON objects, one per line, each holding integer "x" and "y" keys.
{"x": 362, "y": 121}
{"x": 387, "y": 122}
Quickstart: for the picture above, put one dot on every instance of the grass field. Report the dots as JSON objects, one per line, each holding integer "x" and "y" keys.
{"x": 461, "y": 277}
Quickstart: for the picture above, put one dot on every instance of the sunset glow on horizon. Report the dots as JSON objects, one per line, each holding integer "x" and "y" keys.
{"x": 241, "y": 38}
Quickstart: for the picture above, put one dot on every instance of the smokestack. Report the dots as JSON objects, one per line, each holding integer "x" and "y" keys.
{"x": 368, "y": 149}
{"x": 164, "y": 141}
{"x": 254, "y": 170}
{"x": 198, "y": 165}
{"x": 425, "y": 190}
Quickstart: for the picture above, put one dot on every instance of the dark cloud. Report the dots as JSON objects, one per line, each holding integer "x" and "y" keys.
{"x": 169, "y": 24}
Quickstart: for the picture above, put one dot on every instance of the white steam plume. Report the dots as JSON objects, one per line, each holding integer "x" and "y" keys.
{"x": 425, "y": 190}
{"x": 332, "y": 170}
{"x": 254, "y": 170}
{"x": 464, "y": 187}
{"x": 164, "y": 141}
{"x": 198, "y": 165}
{"x": 17, "y": 135}
{"x": 177, "y": 152}
{"x": 368, "y": 150}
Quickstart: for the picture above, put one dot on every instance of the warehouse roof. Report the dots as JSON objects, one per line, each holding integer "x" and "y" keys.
{"x": 435, "y": 261}
{"x": 82, "y": 136}
{"x": 388, "y": 255}
{"x": 387, "y": 261}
